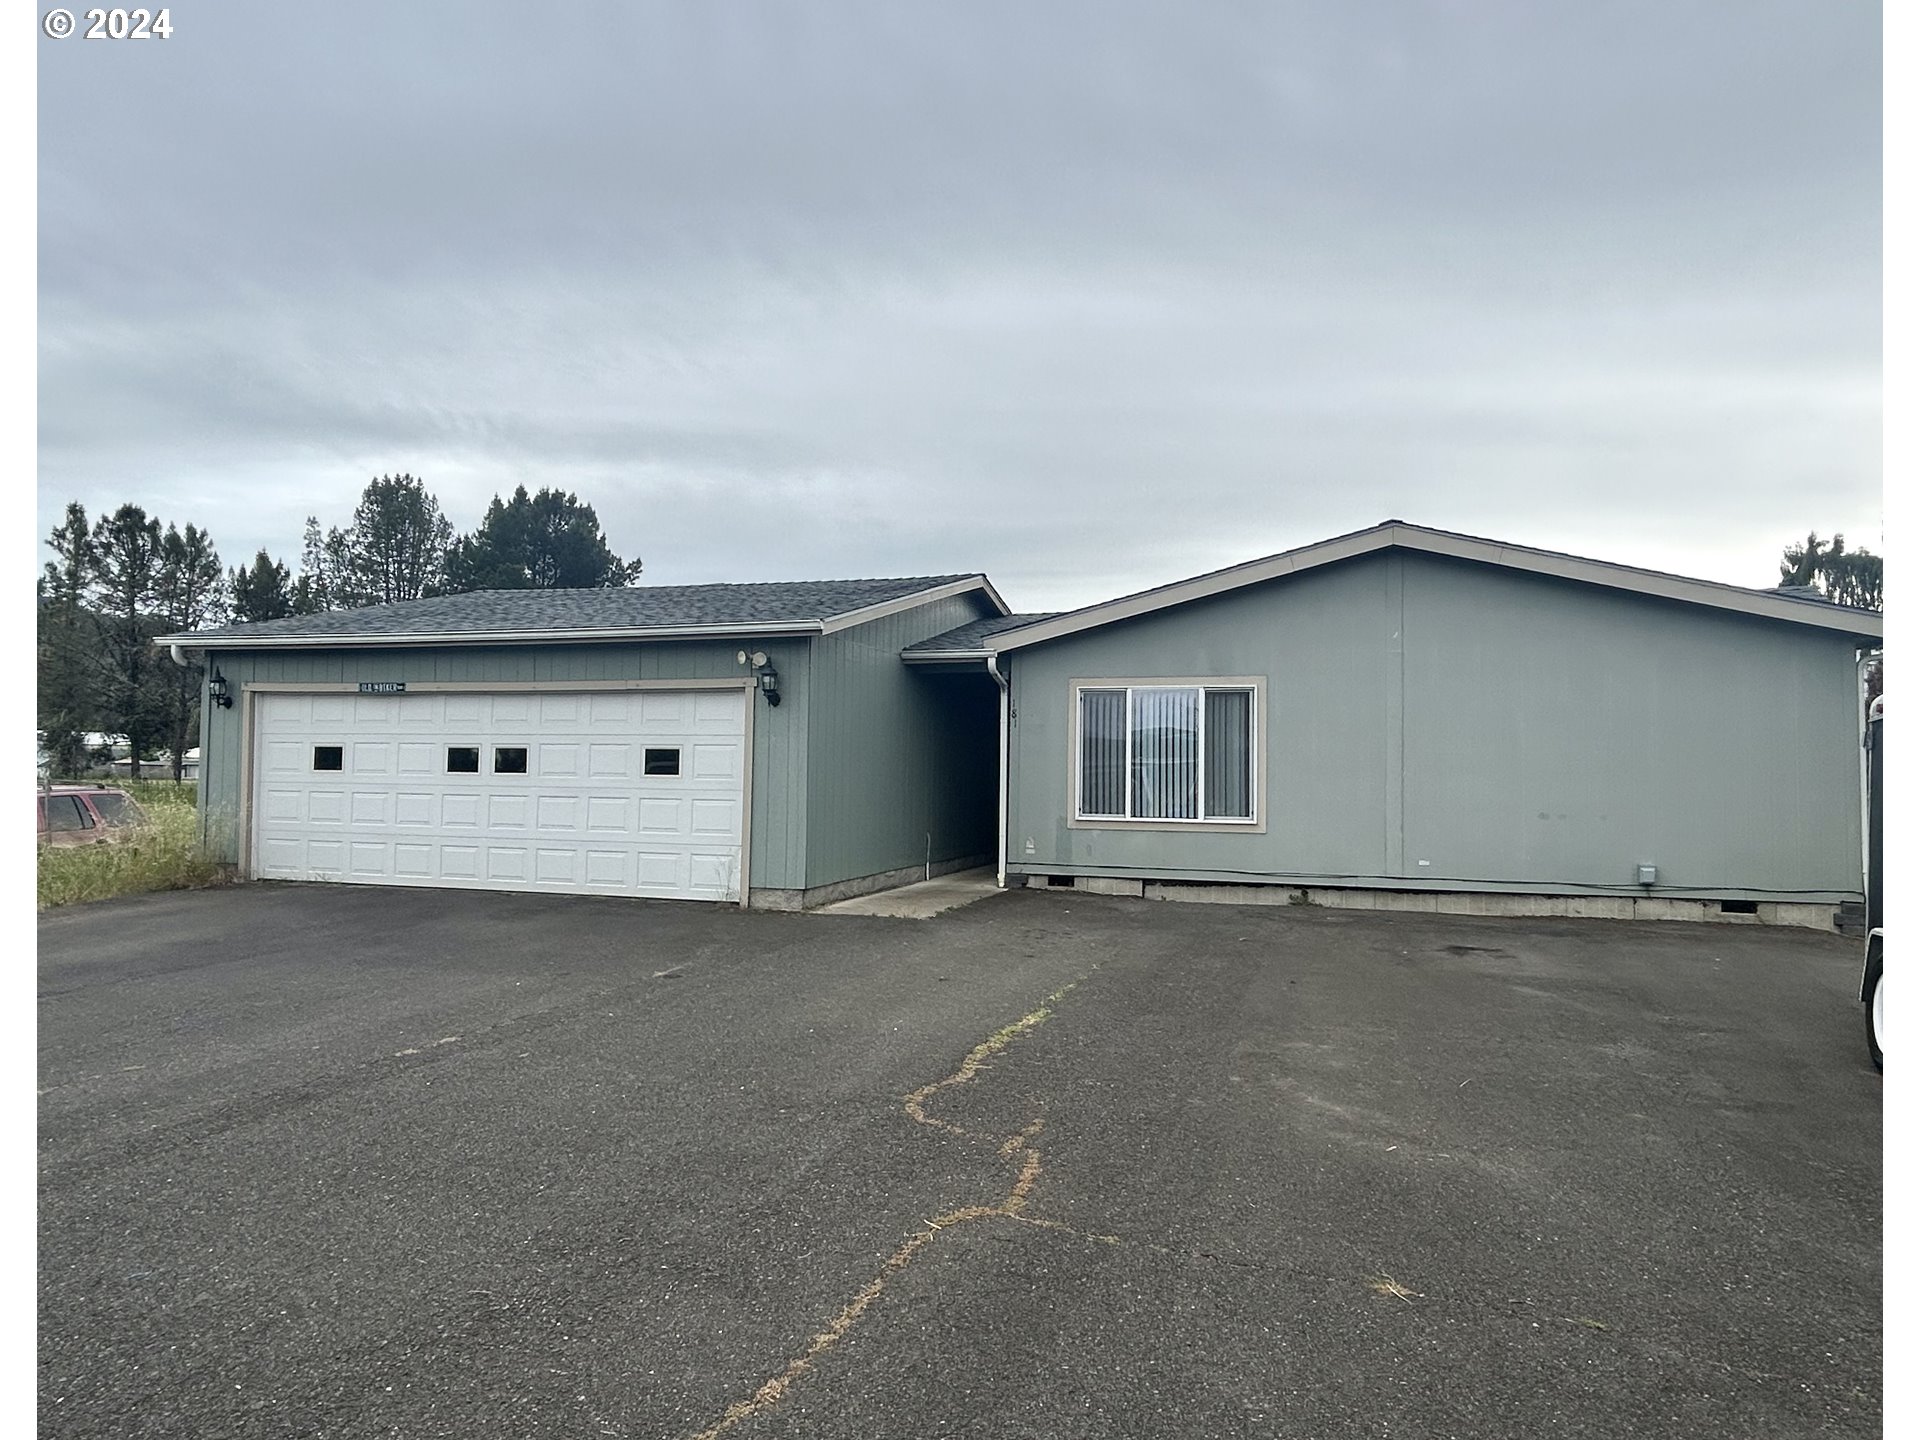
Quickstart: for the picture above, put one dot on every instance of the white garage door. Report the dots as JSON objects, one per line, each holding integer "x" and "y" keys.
{"x": 629, "y": 792}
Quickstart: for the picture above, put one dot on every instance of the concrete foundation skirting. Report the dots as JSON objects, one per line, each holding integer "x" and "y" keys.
{"x": 767, "y": 899}
{"x": 1820, "y": 916}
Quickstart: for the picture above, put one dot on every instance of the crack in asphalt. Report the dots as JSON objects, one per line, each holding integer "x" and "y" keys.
{"x": 1011, "y": 1206}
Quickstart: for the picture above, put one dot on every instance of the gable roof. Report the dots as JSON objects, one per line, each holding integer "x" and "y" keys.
{"x": 966, "y": 642}
{"x": 521, "y": 617}
{"x": 1398, "y": 534}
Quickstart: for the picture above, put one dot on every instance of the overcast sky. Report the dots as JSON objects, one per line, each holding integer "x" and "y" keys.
{"x": 1089, "y": 297}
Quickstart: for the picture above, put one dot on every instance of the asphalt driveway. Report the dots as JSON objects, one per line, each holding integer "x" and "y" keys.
{"x": 324, "y": 1161}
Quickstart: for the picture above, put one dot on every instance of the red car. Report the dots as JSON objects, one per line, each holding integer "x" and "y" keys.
{"x": 85, "y": 814}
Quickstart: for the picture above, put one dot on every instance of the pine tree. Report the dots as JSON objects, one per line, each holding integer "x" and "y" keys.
{"x": 1846, "y": 577}
{"x": 123, "y": 589}
{"x": 188, "y": 595}
{"x": 313, "y": 591}
{"x": 397, "y": 544}
{"x": 545, "y": 541}
{"x": 68, "y": 645}
{"x": 262, "y": 591}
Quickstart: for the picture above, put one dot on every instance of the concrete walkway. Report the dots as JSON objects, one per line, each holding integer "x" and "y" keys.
{"x": 921, "y": 900}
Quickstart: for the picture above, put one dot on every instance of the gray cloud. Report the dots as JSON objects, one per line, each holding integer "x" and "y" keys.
{"x": 1089, "y": 297}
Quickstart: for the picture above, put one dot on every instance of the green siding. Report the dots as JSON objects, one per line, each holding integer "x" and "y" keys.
{"x": 1512, "y": 731}
{"x": 779, "y": 808}
{"x": 903, "y": 762}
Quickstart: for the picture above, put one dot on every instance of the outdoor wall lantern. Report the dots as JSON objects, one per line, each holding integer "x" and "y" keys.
{"x": 217, "y": 691}
{"x": 763, "y": 672}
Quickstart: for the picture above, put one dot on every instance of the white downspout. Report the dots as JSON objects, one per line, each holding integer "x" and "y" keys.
{"x": 1000, "y": 851}
{"x": 1861, "y": 662}
{"x": 179, "y": 654}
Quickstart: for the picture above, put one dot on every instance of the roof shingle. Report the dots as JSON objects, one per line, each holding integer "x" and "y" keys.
{"x": 967, "y": 637}
{"x": 800, "y": 603}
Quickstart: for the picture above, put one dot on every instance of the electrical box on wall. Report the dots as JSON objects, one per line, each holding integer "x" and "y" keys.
{"x": 1646, "y": 874}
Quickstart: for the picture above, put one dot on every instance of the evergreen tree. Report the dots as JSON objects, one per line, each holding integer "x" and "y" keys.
{"x": 123, "y": 589}
{"x": 397, "y": 545}
{"x": 1847, "y": 577}
{"x": 313, "y": 591}
{"x": 545, "y": 541}
{"x": 188, "y": 596}
{"x": 262, "y": 591}
{"x": 68, "y": 643}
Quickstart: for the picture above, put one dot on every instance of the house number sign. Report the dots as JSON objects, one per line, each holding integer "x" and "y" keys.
{"x": 383, "y": 687}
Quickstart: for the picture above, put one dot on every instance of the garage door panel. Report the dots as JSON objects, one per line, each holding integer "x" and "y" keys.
{"x": 556, "y": 866}
{"x": 284, "y": 757}
{"x": 369, "y": 858}
{"x": 460, "y": 862}
{"x": 662, "y": 710}
{"x": 557, "y": 762}
{"x": 716, "y": 762}
{"x": 507, "y": 862}
{"x": 417, "y": 758}
{"x": 412, "y": 808}
{"x": 605, "y": 711}
{"x": 609, "y": 813}
{"x": 661, "y": 815}
{"x": 413, "y": 861}
{"x": 326, "y": 857}
{"x": 609, "y": 869}
{"x": 283, "y": 857}
{"x": 714, "y": 817}
{"x": 585, "y": 818}
{"x": 659, "y": 870}
{"x": 460, "y": 811}
{"x": 712, "y": 873}
{"x": 608, "y": 762}
{"x": 372, "y": 757}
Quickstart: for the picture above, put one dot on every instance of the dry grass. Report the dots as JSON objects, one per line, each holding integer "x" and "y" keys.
{"x": 1384, "y": 1285}
{"x": 166, "y": 855}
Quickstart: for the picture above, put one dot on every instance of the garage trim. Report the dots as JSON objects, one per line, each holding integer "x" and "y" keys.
{"x": 250, "y": 688}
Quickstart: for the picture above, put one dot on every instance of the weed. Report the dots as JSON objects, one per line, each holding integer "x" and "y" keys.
{"x": 167, "y": 854}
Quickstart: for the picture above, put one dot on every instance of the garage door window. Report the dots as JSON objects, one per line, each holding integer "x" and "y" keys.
{"x": 663, "y": 761}
{"x": 463, "y": 759}
{"x": 510, "y": 760}
{"x": 1166, "y": 753}
{"x": 326, "y": 757}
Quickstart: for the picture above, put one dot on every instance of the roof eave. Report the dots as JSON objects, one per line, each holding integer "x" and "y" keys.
{"x": 767, "y": 630}
{"x": 1711, "y": 593}
{"x": 945, "y": 657}
{"x": 848, "y": 619}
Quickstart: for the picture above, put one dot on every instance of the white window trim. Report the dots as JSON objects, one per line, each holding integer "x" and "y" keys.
{"x": 1257, "y": 761}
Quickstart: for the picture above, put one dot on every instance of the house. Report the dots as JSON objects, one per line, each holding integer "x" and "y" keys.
{"x": 756, "y": 743}
{"x": 158, "y": 769}
{"x": 1414, "y": 718}
{"x": 1401, "y": 716}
